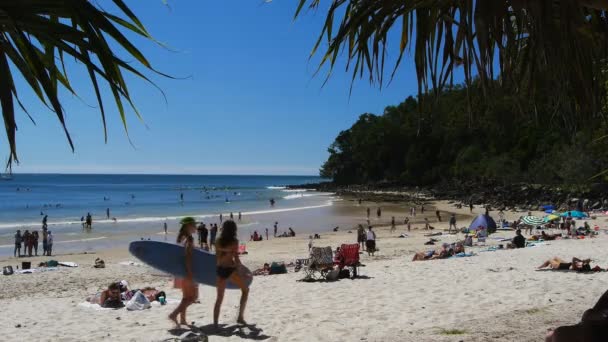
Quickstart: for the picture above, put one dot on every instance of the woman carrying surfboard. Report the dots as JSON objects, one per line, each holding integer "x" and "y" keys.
{"x": 188, "y": 286}
{"x": 228, "y": 262}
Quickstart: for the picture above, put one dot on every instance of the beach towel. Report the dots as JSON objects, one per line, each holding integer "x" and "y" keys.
{"x": 463, "y": 255}
{"x": 68, "y": 264}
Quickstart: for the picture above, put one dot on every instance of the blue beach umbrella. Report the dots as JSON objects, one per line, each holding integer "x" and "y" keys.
{"x": 485, "y": 221}
{"x": 574, "y": 213}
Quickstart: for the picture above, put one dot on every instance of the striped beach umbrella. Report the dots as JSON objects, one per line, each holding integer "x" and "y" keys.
{"x": 532, "y": 220}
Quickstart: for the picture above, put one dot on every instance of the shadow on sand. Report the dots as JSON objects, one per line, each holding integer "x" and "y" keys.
{"x": 244, "y": 331}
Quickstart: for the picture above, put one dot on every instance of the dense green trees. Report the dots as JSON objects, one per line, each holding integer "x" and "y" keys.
{"x": 511, "y": 139}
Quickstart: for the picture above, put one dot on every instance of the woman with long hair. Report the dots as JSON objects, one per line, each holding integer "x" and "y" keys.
{"x": 227, "y": 263}
{"x": 188, "y": 286}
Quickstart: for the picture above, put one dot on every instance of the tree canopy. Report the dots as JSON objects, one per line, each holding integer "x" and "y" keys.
{"x": 512, "y": 140}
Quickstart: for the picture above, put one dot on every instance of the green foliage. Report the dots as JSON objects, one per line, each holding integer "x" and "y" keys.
{"x": 406, "y": 146}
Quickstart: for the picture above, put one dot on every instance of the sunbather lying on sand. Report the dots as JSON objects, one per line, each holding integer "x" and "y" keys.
{"x": 577, "y": 264}
{"x": 108, "y": 298}
{"x": 445, "y": 252}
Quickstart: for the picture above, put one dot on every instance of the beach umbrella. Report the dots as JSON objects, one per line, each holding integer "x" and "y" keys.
{"x": 551, "y": 217}
{"x": 574, "y": 213}
{"x": 532, "y": 220}
{"x": 485, "y": 221}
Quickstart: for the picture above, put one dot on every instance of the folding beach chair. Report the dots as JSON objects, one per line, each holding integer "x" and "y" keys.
{"x": 320, "y": 264}
{"x": 349, "y": 257}
{"x": 301, "y": 263}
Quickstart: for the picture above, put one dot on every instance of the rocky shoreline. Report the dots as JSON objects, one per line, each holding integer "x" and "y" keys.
{"x": 503, "y": 196}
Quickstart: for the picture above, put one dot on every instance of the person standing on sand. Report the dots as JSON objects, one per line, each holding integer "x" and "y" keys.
{"x": 26, "y": 242}
{"x": 49, "y": 244}
{"x": 438, "y": 214}
{"x": 393, "y": 227}
{"x": 240, "y": 216}
{"x": 452, "y": 223}
{"x": 422, "y": 208}
{"x": 228, "y": 261}
{"x": 187, "y": 284}
{"x": 370, "y": 241}
{"x": 165, "y": 227}
{"x": 231, "y": 216}
{"x": 427, "y": 226}
{"x": 266, "y": 234}
{"x": 35, "y": 241}
{"x": 379, "y": 212}
{"x": 368, "y": 211}
{"x": 471, "y": 205}
{"x": 212, "y": 235}
{"x": 276, "y": 228}
{"x": 45, "y": 235}
{"x": 361, "y": 236}
{"x": 18, "y": 240}
{"x": 221, "y": 218}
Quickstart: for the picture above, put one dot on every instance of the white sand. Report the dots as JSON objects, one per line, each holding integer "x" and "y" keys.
{"x": 492, "y": 296}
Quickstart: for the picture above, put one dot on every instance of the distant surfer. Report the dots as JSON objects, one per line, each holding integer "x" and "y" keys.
{"x": 272, "y": 202}
{"x": 227, "y": 251}
{"x": 187, "y": 284}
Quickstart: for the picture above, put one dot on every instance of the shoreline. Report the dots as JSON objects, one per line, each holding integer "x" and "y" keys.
{"x": 425, "y": 300}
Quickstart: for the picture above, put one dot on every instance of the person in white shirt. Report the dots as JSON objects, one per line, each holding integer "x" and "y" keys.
{"x": 49, "y": 243}
{"x": 370, "y": 242}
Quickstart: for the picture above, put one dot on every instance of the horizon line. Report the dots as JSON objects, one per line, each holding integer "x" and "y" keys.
{"x": 162, "y": 174}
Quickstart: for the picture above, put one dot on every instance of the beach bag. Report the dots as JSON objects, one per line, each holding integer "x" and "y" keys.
{"x": 333, "y": 275}
{"x": 7, "y": 270}
{"x": 344, "y": 274}
{"x": 276, "y": 268}
{"x": 138, "y": 302}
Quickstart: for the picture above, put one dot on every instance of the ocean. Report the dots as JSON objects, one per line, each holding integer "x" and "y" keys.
{"x": 139, "y": 202}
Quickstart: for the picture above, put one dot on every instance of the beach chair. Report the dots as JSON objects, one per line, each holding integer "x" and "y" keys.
{"x": 320, "y": 263}
{"x": 349, "y": 257}
{"x": 301, "y": 263}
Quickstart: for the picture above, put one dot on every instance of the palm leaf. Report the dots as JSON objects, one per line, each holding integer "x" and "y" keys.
{"x": 36, "y": 35}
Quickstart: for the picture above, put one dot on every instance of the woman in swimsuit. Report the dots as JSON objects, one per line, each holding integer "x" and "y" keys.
{"x": 227, "y": 262}
{"x": 189, "y": 287}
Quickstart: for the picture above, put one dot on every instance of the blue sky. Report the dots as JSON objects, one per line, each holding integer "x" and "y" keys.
{"x": 250, "y": 103}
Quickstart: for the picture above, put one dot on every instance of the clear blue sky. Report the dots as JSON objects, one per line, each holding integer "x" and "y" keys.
{"x": 250, "y": 106}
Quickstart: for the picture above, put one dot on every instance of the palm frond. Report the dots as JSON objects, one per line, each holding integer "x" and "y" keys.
{"x": 534, "y": 43}
{"x": 36, "y": 36}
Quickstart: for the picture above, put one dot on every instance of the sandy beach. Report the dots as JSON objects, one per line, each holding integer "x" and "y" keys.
{"x": 494, "y": 295}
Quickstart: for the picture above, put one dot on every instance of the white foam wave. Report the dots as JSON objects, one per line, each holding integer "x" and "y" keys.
{"x": 295, "y": 190}
{"x": 19, "y": 225}
{"x": 276, "y": 187}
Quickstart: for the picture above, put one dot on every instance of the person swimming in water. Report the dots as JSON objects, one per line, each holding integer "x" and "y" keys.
{"x": 227, "y": 246}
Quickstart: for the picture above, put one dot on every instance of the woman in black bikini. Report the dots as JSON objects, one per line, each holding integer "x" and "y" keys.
{"x": 227, "y": 262}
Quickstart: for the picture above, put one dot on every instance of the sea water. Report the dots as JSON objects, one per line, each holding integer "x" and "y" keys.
{"x": 139, "y": 202}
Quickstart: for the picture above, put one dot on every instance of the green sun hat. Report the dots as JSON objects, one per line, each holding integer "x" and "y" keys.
{"x": 187, "y": 220}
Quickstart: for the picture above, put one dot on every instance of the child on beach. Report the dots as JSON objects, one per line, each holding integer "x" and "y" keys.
{"x": 187, "y": 284}
{"x": 228, "y": 261}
